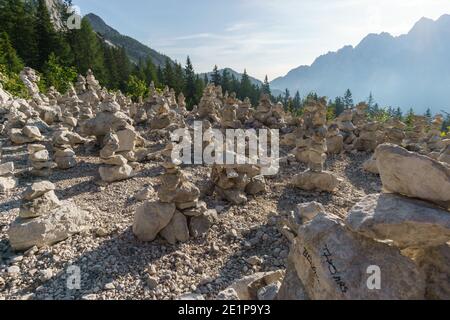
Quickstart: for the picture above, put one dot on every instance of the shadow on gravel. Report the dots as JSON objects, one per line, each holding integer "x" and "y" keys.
{"x": 360, "y": 178}
{"x": 121, "y": 256}
{"x": 272, "y": 250}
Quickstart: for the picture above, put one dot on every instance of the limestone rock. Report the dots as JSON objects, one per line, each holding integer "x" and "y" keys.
{"x": 407, "y": 222}
{"x": 332, "y": 262}
{"x": 308, "y": 211}
{"x": 321, "y": 181}
{"x": 7, "y": 183}
{"x": 413, "y": 175}
{"x": 177, "y": 230}
{"x": 199, "y": 226}
{"x": 115, "y": 173}
{"x": 37, "y": 190}
{"x": 55, "y": 226}
{"x": 39, "y": 206}
{"x": 151, "y": 218}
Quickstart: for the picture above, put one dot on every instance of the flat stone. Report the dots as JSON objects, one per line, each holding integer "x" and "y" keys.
{"x": 407, "y": 222}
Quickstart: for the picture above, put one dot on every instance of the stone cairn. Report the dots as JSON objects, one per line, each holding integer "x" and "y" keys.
{"x": 7, "y": 179}
{"x": 114, "y": 167}
{"x": 64, "y": 156}
{"x": 43, "y": 219}
{"x": 178, "y": 215}
{"x": 268, "y": 115}
{"x": 433, "y": 138}
{"x": 395, "y": 131}
{"x": 369, "y": 137}
{"x": 210, "y": 104}
{"x": 229, "y": 118}
{"x": 335, "y": 140}
{"x": 39, "y": 159}
{"x": 234, "y": 182}
{"x": 315, "y": 132}
{"x": 404, "y": 232}
{"x": 415, "y": 137}
{"x": 347, "y": 128}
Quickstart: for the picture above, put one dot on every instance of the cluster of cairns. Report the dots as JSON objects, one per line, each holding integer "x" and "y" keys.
{"x": 312, "y": 149}
{"x": 403, "y": 231}
{"x": 178, "y": 215}
{"x": 401, "y": 235}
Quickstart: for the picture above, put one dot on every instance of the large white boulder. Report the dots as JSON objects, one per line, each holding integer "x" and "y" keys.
{"x": 413, "y": 175}
{"x": 407, "y": 222}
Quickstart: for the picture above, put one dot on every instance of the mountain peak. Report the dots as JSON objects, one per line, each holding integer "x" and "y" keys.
{"x": 135, "y": 49}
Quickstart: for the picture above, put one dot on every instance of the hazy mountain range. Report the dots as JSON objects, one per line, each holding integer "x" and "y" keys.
{"x": 411, "y": 70}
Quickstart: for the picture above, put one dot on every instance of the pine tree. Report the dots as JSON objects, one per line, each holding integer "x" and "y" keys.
{"x": 287, "y": 96}
{"x": 266, "y": 86}
{"x": 190, "y": 88}
{"x": 205, "y": 79}
{"x": 245, "y": 90}
{"x": 398, "y": 114}
{"x": 17, "y": 20}
{"x": 339, "y": 106}
{"x": 348, "y": 99}
{"x": 8, "y": 56}
{"x": 179, "y": 79}
{"x": 428, "y": 114}
{"x": 88, "y": 51}
{"x": 48, "y": 40}
{"x": 215, "y": 77}
{"x": 297, "y": 102}
{"x": 226, "y": 81}
{"x": 409, "y": 119}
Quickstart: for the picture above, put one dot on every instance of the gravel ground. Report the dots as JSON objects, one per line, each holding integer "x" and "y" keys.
{"x": 115, "y": 265}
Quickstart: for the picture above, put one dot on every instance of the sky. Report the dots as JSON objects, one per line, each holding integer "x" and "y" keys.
{"x": 266, "y": 37}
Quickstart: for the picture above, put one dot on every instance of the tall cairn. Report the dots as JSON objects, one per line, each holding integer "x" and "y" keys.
{"x": 315, "y": 178}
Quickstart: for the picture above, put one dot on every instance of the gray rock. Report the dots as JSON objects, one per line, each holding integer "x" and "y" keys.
{"x": 413, "y": 175}
{"x": 177, "y": 230}
{"x": 332, "y": 263}
{"x": 151, "y": 218}
{"x": 55, "y": 226}
{"x": 407, "y": 222}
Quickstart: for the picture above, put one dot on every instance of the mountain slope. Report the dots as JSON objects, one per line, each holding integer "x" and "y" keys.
{"x": 134, "y": 48}
{"x": 412, "y": 70}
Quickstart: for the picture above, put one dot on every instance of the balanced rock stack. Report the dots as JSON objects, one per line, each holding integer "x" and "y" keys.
{"x": 402, "y": 237}
{"x": 434, "y": 140}
{"x": 40, "y": 161}
{"x": 315, "y": 178}
{"x": 360, "y": 116}
{"x": 178, "y": 215}
{"x": 209, "y": 105}
{"x": 114, "y": 167}
{"x": 267, "y": 114}
{"x": 369, "y": 137}
{"x": 416, "y": 137}
{"x": 7, "y": 179}
{"x": 229, "y": 113}
{"x": 395, "y": 131}
{"x": 347, "y": 128}
{"x": 245, "y": 111}
{"x": 44, "y": 219}
{"x": 234, "y": 182}
{"x": 27, "y": 134}
{"x": 335, "y": 140}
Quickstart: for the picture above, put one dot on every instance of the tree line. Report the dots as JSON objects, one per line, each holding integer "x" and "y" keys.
{"x": 28, "y": 37}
